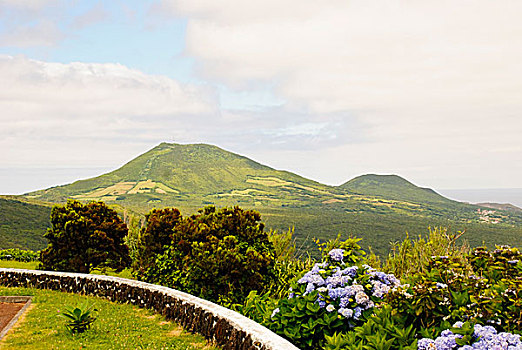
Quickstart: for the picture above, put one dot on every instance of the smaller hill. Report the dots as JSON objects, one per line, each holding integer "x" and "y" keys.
{"x": 23, "y": 224}
{"x": 392, "y": 187}
{"x": 501, "y": 206}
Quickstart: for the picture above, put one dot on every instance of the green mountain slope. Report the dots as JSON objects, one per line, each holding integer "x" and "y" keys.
{"x": 192, "y": 175}
{"x": 379, "y": 208}
{"x": 22, "y": 224}
{"x": 392, "y": 187}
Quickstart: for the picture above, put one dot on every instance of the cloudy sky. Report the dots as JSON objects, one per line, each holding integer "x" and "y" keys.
{"x": 430, "y": 90}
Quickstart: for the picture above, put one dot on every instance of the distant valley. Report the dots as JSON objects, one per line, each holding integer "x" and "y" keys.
{"x": 378, "y": 208}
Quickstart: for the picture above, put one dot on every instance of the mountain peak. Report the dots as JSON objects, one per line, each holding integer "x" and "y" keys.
{"x": 391, "y": 186}
{"x": 390, "y": 179}
{"x": 172, "y": 173}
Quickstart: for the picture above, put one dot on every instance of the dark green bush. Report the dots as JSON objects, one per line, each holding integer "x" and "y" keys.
{"x": 154, "y": 238}
{"x": 83, "y": 237}
{"x": 220, "y": 255}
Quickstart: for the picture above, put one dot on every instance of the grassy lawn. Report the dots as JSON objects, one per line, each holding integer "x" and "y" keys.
{"x": 118, "y": 326}
{"x": 18, "y": 264}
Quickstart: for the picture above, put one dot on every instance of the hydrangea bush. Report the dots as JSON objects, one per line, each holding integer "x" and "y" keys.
{"x": 457, "y": 301}
{"x": 485, "y": 290}
{"x": 480, "y": 337}
{"x": 331, "y": 297}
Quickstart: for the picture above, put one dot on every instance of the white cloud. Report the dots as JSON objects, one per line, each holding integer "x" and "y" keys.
{"x": 27, "y": 5}
{"x": 42, "y": 33}
{"x": 437, "y": 84}
{"x": 95, "y": 109}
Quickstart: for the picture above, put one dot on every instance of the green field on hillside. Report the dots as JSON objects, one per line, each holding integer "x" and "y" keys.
{"x": 23, "y": 224}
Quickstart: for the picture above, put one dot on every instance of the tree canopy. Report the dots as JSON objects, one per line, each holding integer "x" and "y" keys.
{"x": 83, "y": 237}
{"x": 155, "y": 237}
{"x": 220, "y": 255}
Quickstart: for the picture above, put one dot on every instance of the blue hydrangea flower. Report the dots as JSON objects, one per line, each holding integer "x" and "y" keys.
{"x": 357, "y": 312}
{"x": 348, "y": 313}
{"x": 487, "y": 338}
{"x": 336, "y": 254}
{"x": 426, "y": 344}
{"x": 338, "y": 288}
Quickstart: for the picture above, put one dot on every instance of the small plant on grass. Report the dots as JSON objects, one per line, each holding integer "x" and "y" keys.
{"x": 79, "y": 319}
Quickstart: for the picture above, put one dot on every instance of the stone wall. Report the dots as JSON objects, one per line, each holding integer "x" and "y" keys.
{"x": 227, "y": 328}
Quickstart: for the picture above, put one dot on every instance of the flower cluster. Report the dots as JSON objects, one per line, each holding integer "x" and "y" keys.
{"x": 347, "y": 290}
{"x": 485, "y": 337}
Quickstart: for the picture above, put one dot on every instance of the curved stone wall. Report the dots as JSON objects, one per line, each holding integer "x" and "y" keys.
{"x": 225, "y": 327}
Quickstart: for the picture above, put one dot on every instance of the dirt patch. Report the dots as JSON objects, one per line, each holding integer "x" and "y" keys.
{"x": 7, "y": 312}
{"x": 11, "y": 310}
{"x": 176, "y": 332}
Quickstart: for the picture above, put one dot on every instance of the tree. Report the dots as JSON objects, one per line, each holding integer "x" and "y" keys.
{"x": 83, "y": 237}
{"x": 220, "y": 255}
{"x": 155, "y": 237}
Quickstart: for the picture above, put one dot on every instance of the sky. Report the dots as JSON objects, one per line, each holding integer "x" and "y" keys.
{"x": 429, "y": 90}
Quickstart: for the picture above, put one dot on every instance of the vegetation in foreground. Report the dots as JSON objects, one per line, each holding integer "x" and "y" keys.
{"x": 117, "y": 326}
{"x": 429, "y": 293}
{"x": 448, "y": 297}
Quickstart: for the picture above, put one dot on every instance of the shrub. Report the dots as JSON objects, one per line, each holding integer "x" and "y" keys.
{"x": 155, "y": 237}
{"x": 16, "y": 254}
{"x": 487, "y": 290}
{"x": 332, "y": 297}
{"x": 83, "y": 237}
{"x": 220, "y": 255}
